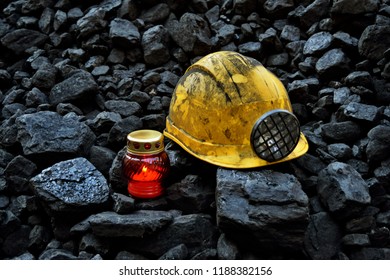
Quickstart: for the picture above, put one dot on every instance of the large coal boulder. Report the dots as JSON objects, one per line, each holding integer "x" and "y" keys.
{"x": 342, "y": 190}
{"x": 50, "y": 133}
{"x": 262, "y": 207}
{"x": 71, "y": 187}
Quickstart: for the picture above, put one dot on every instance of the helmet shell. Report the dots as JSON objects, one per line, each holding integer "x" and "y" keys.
{"x": 217, "y": 102}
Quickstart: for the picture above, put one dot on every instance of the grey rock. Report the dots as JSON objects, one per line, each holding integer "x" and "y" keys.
{"x": 46, "y": 20}
{"x": 60, "y": 20}
{"x": 151, "y": 78}
{"x": 318, "y": 43}
{"x": 340, "y": 151}
{"x": 361, "y": 224}
{"x": 154, "y": 121}
{"x": 382, "y": 91}
{"x": 45, "y": 77}
{"x": 74, "y": 14}
{"x": 342, "y": 190}
{"x": 125, "y": 255}
{"x": 8, "y": 223}
{"x": 80, "y": 85}
{"x": 195, "y": 231}
{"x": 48, "y": 132}
{"x": 371, "y": 254}
{"x": 100, "y": 70}
{"x": 21, "y": 39}
{"x": 122, "y": 107}
{"x": 39, "y": 237}
{"x": 123, "y": 33}
{"x": 347, "y": 131}
{"x": 244, "y": 7}
{"x": 290, "y": 33}
{"x": 323, "y": 237}
{"x": 17, "y": 173}
{"x": 102, "y": 158}
{"x": 72, "y": 186}
{"x": 207, "y": 254}
{"x": 359, "y": 111}
{"x": 118, "y": 133}
{"x": 10, "y": 110}
{"x": 262, "y": 205}
{"x": 155, "y": 44}
{"x": 356, "y": 239}
{"x": 383, "y": 219}
{"x": 25, "y": 256}
{"x": 136, "y": 224}
{"x": 92, "y": 22}
{"x": 250, "y": 48}
{"x": 35, "y": 97}
{"x": 227, "y": 249}
{"x": 345, "y": 41}
{"x": 66, "y": 108}
{"x": 5, "y": 157}
{"x": 4, "y": 201}
{"x": 270, "y": 39}
{"x": 17, "y": 242}
{"x": 313, "y": 12}
{"x": 378, "y": 147}
{"x": 191, "y": 33}
{"x": 341, "y": 95}
{"x": 277, "y": 60}
{"x": 155, "y": 104}
{"x": 169, "y": 78}
{"x": 191, "y": 195}
{"x": 94, "y": 244}
{"x": 156, "y": 14}
{"x": 104, "y": 121}
{"x": 57, "y": 254}
{"x": 311, "y": 163}
{"x": 374, "y": 41}
{"x": 224, "y": 32}
{"x": 278, "y": 8}
{"x": 380, "y": 236}
{"x": 334, "y": 63}
{"x": 116, "y": 179}
{"x": 122, "y": 203}
{"x": 355, "y": 7}
{"x": 359, "y": 78}
{"x": 23, "y": 205}
{"x": 178, "y": 252}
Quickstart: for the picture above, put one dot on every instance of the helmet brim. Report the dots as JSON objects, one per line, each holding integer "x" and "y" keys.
{"x": 229, "y": 156}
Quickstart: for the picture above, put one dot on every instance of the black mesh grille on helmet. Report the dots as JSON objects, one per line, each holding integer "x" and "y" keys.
{"x": 275, "y": 135}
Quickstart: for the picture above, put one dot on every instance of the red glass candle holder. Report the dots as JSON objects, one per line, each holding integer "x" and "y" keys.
{"x": 145, "y": 164}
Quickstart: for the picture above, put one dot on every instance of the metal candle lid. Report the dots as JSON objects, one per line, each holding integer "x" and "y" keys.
{"x": 145, "y": 142}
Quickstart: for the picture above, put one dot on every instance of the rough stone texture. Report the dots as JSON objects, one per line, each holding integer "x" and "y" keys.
{"x": 123, "y": 33}
{"x": 71, "y": 186}
{"x": 136, "y": 224}
{"x": 191, "y": 195}
{"x": 323, "y": 237}
{"x": 333, "y": 63}
{"x": 266, "y": 207}
{"x": 48, "y": 132}
{"x": 191, "y": 33}
{"x": 21, "y": 39}
{"x": 195, "y": 231}
{"x": 80, "y": 85}
{"x": 342, "y": 190}
{"x": 374, "y": 41}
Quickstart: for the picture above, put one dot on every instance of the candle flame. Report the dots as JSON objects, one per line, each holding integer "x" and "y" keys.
{"x": 144, "y": 169}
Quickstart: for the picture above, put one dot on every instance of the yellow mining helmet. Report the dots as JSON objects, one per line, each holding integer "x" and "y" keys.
{"x": 228, "y": 110}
